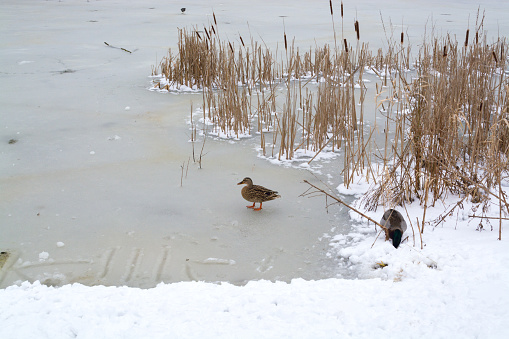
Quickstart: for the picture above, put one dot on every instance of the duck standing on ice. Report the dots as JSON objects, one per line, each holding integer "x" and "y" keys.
{"x": 395, "y": 223}
{"x": 256, "y": 193}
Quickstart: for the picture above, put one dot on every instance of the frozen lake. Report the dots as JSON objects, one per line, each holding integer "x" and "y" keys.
{"x": 90, "y": 170}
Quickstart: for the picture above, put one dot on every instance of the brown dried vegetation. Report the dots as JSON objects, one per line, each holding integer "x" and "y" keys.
{"x": 446, "y": 111}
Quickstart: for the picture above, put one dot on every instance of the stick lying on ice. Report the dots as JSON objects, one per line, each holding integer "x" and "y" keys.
{"x": 350, "y": 207}
{"x": 125, "y": 50}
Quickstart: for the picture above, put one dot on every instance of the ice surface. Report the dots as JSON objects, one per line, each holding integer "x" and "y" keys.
{"x": 105, "y": 180}
{"x": 99, "y": 159}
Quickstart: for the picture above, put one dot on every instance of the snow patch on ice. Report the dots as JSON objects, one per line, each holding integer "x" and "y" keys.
{"x": 201, "y": 124}
{"x": 301, "y": 158}
{"x": 219, "y": 261}
{"x": 161, "y": 84}
{"x": 43, "y": 256}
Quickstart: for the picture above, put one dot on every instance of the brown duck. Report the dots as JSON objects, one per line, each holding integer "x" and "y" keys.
{"x": 256, "y": 193}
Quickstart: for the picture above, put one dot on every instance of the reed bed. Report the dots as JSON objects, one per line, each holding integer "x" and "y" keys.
{"x": 446, "y": 109}
{"x": 450, "y": 125}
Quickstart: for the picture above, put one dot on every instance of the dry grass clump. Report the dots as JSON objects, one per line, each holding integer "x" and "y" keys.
{"x": 204, "y": 61}
{"x": 451, "y": 126}
{"x": 196, "y": 63}
{"x": 227, "y": 75}
{"x": 229, "y": 111}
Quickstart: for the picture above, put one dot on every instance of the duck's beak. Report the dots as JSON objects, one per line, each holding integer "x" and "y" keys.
{"x": 240, "y": 183}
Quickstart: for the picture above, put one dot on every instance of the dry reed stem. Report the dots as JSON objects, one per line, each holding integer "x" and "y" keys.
{"x": 345, "y": 204}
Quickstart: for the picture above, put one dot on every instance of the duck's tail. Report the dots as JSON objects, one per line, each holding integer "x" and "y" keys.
{"x": 273, "y": 195}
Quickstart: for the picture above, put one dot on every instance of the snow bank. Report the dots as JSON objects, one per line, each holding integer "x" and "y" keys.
{"x": 455, "y": 287}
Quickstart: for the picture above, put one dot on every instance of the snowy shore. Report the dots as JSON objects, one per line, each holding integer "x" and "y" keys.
{"x": 455, "y": 287}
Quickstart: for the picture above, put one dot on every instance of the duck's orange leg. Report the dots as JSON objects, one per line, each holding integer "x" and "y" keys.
{"x": 251, "y": 206}
{"x": 259, "y": 208}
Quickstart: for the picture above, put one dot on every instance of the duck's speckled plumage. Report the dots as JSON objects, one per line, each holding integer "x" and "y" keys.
{"x": 256, "y": 193}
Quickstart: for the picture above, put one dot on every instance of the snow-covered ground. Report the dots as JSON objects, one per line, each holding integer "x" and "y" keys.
{"x": 456, "y": 287}
{"x": 90, "y": 194}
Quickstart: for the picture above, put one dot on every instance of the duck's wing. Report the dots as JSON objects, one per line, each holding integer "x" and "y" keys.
{"x": 385, "y": 219}
{"x": 265, "y": 192}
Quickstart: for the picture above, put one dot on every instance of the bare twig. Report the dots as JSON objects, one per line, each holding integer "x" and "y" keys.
{"x": 373, "y": 244}
{"x": 125, "y": 50}
{"x": 202, "y": 147}
{"x": 345, "y": 204}
{"x": 484, "y": 217}
{"x": 182, "y": 174}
